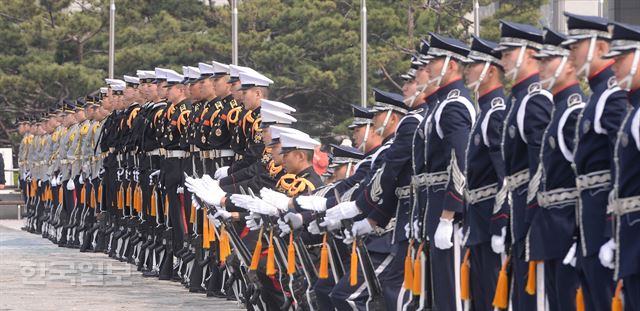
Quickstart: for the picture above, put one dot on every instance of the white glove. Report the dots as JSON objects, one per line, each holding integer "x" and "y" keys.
{"x": 344, "y": 210}
{"x": 222, "y": 214}
{"x": 54, "y": 181}
{"x": 314, "y": 228}
{"x": 221, "y": 173}
{"x": 81, "y": 180}
{"x": 277, "y": 199}
{"x": 180, "y": 190}
{"x": 195, "y": 203}
{"x": 570, "y": 258}
{"x": 497, "y": 241}
{"x": 443, "y": 235}
{"x": 207, "y": 180}
{"x": 361, "y": 227}
{"x": 39, "y": 183}
{"x": 70, "y": 185}
{"x": 293, "y": 219}
{"x": 284, "y": 227}
{"x": 192, "y": 183}
{"x": 312, "y": 203}
{"x": 216, "y": 222}
{"x": 416, "y": 229}
{"x": 252, "y": 222}
{"x": 330, "y": 225}
{"x": 607, "y": 251}
{"x": 209, "y": 196}
{"x": 151, "y": 176}
{"x": 254, "y": 204}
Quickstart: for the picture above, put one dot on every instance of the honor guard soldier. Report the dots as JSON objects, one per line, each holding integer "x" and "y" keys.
{"x": 623, "y": 250}
{"x": 484, "y": 171}
{"x": 551, "y": 233}
{"x": 447, "y": 132}
{"x": 597, "y": 128}
{"x": 528, "y": 115}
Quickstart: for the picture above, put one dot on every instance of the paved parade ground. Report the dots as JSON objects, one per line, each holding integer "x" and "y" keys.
{"x": 38, "y": 275}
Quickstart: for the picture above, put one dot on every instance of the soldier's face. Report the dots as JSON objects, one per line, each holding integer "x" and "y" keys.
{"x": 578, "y": 53}
{"x": 251, "y": 98}
{"x": 422, "y": 75}
{"x": 340, "y": 172}
{"x": 409, "y": 88}
{"x": 509, "y": 59}
{"x": 358, "y": 135}
{"x": 161, "y": 90}
{"x": 194, "y": 90}
{"x": 266, "y": 135}
{"x": 435, "y": 67}
{"x": 472, "y": 72}
{"x": 548, "y": 67}
{"x": 275, "y": 154}
{"x": 236, "y": 92}
{"x": 222, "y": 88}
{"x": 106, "y": 103}
{"x": 622, "y": 67}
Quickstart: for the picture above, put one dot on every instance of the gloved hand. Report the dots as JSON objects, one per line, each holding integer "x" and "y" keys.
{"x": 254, "y": 204}
{"x": 120, "y": 173}
{"x": 277, "y": 199}
{"x": 497, "y": 241}
{"x": 344, "y": 210}
{"x": 207, "y": 180}
{"x": 195, "y": 203}
{"x": 606, "y": 254}
{"x": 151, "y": 176}
{"x": 222, "y": 214}
{"x": 444, "y": 232}
{"x": 361, "y": 227}
{"x": 192, "y": 183}
{"x": 312, "y": 203}
{"x": 330, "y": 225}
{"x": 570, "y": 258}
{"x": 210, "y": 196}
{"x": 221, "y": 173}
{"x": 81, "y": 180}
{"x": 180, "y": 190}
{"x": 416, "y": 230}
{"x": 253, "y": 222}
{"x": 293, "y": 220}
{"x": 54, "y": 181}
{"x": 70, "y": 185}
{"x": 216, "y": 222}
{"x": 314, "y": 228}
{"x": 39, "y": 183}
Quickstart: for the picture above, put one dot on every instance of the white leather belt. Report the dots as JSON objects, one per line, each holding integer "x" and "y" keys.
{"x": 430, "y": 179}
{"x": 481, "y": 194}
{"x": 516, "y": 180}
{"x": 623, "y": 206}
{"x": 555, "y": 197}
{"x": 593, "y": 180}
{"x": 403, "y": 192}
{"x": 154, "y": 152}
{"x": 217, "y": 153}
{"x": 194, "y": 148}
{"x": 176, "y": 154}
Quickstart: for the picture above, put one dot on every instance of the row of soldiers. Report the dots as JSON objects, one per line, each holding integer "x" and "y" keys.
{"x": 527, "y": 201}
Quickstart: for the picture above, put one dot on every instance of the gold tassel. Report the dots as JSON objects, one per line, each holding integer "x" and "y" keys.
{"x": 464, "y": 277}
{"x": 271, "y": 260}
{"x": 224, "y": 245}
{"x": 291, "y": 256}
{"x": 408, "y": 269}
{"x": 119, "y": 200}
{"x": 353, "y": 277}
{"x": 154, "y": 203}
{"x": 193, "y": 214}
{"x": 60, "y": 192}
{"x": 324, "y": 259}
{"x": 579, "y": 299}
{"x": 99, "y": 198}
{"x": 92, "y": 200}
{"x": 255, "y": 258}
{"x": 501, "y": 297}
{"x": 138, "y": 199}
{"x": 166, "y": 206}
{"x": 616, "y": 302}
{"x": 128, "y": 197}
{"x": 417, "y": 272}
{"x": 83, "y": 193}
{"x": 205, "y": 231}
{"x": 531, "y": 279}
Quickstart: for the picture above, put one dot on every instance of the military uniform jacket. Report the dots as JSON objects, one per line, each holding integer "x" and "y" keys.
{"x": 527, "y": 118}
{"x": 173, "y": 125}
{"x": 552, "y": 229}
{"x": 250, "y": 128}
{"x": 597, "y": 128}
{"x": 484, "y": 167}
{"x": 627, "y": 203}
{"x": 447, "y": 133}
{"x": 215, "y": 130}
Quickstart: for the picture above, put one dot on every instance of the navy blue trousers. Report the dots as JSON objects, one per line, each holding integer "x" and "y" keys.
{"x": 561, "y": 285}
{"x": 596, "y": 281}
{"x": 484, "y": 269}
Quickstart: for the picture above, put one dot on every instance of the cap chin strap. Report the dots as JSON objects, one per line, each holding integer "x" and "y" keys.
{"x": 363, "y": 146}
{"x": 411, "y": 100}
{"x": 380, "y": 130}
{"x": 437, "y": 80}
{"x": 586, "y": 67}
{"x": 348, "y": 173}
{"x": 513, "y": 73}
{"x": 625, "y": 83}
{"x": 476, "y": 84}
{"x": 548, "y": 83}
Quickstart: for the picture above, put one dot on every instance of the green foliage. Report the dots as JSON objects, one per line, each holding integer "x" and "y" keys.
{"x": 310, "y": 48}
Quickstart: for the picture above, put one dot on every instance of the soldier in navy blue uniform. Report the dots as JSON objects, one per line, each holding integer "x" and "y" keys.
{"x": 551, "y": 237}
{"x": 527, "y": 117}
{"x": 597, "y": 127}
{"x": 484, "y": 169}
{"x": 625, "y": 49}
{"x": 446, "y": 133}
